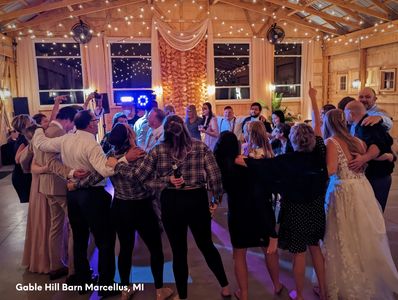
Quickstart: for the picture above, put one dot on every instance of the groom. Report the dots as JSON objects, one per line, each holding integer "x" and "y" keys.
{"x": 378, "y": 142}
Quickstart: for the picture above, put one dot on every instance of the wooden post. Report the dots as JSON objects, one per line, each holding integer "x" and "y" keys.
{"x": 362, "y": 67}
{"x": 325, "y": 83}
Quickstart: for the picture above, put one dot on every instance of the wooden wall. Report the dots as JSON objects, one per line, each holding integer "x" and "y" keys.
{"x": 379, "y": 51}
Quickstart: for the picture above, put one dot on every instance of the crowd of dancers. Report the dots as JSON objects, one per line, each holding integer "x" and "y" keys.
{"x": 331, "y": 181}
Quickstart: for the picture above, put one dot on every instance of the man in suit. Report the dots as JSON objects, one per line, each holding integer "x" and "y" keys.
{"x": 53, "y": 186}
{"x": 255, "y": 115}
{"x": 378, "y": 142}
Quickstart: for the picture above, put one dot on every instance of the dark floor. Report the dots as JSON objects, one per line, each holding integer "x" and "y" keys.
{"x": 203, "y": 285}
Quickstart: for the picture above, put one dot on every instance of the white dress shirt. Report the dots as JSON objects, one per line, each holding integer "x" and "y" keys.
{"x": 78, "y": 150}
{"x": 375, "y": 111}
{"x": 141, "y": 128}
{"x": 152, "y": 137}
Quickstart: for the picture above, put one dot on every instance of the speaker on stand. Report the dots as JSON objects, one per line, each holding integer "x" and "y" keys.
{"x": 20, "y": 105}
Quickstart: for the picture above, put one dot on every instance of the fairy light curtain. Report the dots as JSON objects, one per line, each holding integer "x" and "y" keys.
{"x": 180, "y": 64}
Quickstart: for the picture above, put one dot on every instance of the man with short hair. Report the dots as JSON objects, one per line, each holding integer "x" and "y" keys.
{"x": 169, "y": 110}
{"x": 379, "y": 142}
{"x": 141, "y": 126}
{"x": 54, "y": 189}
{"x": 88, "y": 208}
{"x": 230, "y": 122}
{"x": 155, "y": 132}
{"x": 255, "y": 115}
{"x": 367, "y": 96}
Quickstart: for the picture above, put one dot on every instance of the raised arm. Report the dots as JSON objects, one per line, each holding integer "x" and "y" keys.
{"x": 57, "y": 101}
{"x": 316, "y": 116}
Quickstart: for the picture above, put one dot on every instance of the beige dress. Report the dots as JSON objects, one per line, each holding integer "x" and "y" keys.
{"x": 36, "y": 256}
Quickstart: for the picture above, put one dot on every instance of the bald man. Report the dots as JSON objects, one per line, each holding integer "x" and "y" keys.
{"x": 367, "y": 96}
{"x": 378, "y": 142}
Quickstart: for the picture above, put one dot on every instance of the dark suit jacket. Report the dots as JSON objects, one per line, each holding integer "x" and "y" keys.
{"x": 379, "y": 136}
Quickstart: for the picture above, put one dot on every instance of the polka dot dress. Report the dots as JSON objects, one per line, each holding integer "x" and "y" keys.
{"x": 303, "y": 224}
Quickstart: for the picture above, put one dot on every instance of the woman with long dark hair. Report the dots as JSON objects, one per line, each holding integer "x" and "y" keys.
{"x": 251, "y": 219}
{"x": 132, "y": 211}
{"x": 182, "y": 167}
{"x": 209, "y": 126}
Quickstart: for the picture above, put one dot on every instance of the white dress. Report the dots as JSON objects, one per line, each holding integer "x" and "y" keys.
{"x": 358, "y": 260}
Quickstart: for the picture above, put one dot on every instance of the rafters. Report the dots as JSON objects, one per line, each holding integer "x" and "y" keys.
{"x": 361, "y": 9}
{"x": 314, "y": 12}
{"x": 281, "y": 15}
{"x": 77, "y": 13}
{"x": 39, "y": 8}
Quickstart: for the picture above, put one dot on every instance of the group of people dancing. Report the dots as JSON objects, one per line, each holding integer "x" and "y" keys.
{"x": 331, "y": 180}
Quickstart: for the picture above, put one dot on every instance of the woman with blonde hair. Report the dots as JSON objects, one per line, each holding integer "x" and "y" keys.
{"x": 301, "y": 180}
{"x": 36, "y": 255}
{"x": 192, "y": 121}
{"x": 257, "y": 142}
{"x": 358, "y": 260}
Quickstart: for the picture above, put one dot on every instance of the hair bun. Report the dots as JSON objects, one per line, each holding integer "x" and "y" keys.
{"x": 175, "y": 128}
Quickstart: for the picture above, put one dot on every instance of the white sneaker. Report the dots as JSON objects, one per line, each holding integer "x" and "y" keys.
{"x": 128, "y": 294}
{"x": 163, "y": 293}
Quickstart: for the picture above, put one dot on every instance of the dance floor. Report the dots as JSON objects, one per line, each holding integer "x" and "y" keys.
{"x": 202, "y": 286}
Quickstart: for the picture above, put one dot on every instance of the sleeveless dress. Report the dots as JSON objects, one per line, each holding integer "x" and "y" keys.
{"x": 358, "y": 261}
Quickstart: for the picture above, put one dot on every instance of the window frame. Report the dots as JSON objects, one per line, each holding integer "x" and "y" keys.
{"x": 338, "y": 83}
{"x": 383, "y": 80}
{"x": 296, "y": 98}
{"x": 234, "y": 41}
{"x": 110, "y": 41}
{"x": 44, "y": 107}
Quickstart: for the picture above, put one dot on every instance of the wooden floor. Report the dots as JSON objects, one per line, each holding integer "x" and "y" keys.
{"x": 203, "y": 285}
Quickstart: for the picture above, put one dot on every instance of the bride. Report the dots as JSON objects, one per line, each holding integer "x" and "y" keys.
{"x": 357, "y": 254}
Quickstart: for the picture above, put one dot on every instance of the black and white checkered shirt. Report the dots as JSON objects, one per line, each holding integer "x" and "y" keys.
{"x": 199, "y": 168}
{"x": 125, "y": 188}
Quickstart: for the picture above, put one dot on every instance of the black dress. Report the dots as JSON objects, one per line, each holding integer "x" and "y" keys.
{"x": 251, "y": 218}
{"x": 20, "y": 180}
{"x": 301, "y": 180}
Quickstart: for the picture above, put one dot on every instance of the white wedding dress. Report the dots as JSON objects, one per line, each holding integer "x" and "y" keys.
{"x": 358, "y": 260}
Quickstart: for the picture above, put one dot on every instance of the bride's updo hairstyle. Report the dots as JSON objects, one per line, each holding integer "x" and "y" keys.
{"x": 302, "y": 138}
{"x": 177, "y": 137}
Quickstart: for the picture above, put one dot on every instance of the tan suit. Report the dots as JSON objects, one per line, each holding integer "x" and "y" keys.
{"x": 53, "y": 186}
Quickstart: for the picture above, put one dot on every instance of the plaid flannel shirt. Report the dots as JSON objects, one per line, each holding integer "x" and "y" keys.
{"x": 125, "y": 188}
{"x": 199, "y": 168}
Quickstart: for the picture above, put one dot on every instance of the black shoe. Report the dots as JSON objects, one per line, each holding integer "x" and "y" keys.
{"x": 106, "y": 294}
{"x": 54, "y": 275}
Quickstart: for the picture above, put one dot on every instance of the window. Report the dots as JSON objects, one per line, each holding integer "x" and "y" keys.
{"x": 287, "y": 70}
{"x": 59, "y": 70}
{"x": 342, "y": 82}
{"x": 387, "y": 80}
{"x": 232, "y": 69}
{"x": 131, "y": 70}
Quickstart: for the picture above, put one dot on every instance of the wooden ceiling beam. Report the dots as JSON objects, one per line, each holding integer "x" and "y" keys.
{"x": 39, "y": 8}
{"x": 314, "y": 12}
{"x": 247, "y": 15}
{"x": 280, "y": 16}
{"x": 77, "y": 13}
{"x": 261, "y": 31}
{"x": 381, "y": 4}
{"x": 361, "y": 9}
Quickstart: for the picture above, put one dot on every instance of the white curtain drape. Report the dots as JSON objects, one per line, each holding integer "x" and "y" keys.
{"x": 181, "y": 40}
{"x": 155, "y": 55}
{"x": 95, "y": 63}
{"x": 306, "y": 76}
{"x": 26, "y": 73}
{"x": 262, "y": 62}
{"x": 210, "y": 66}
